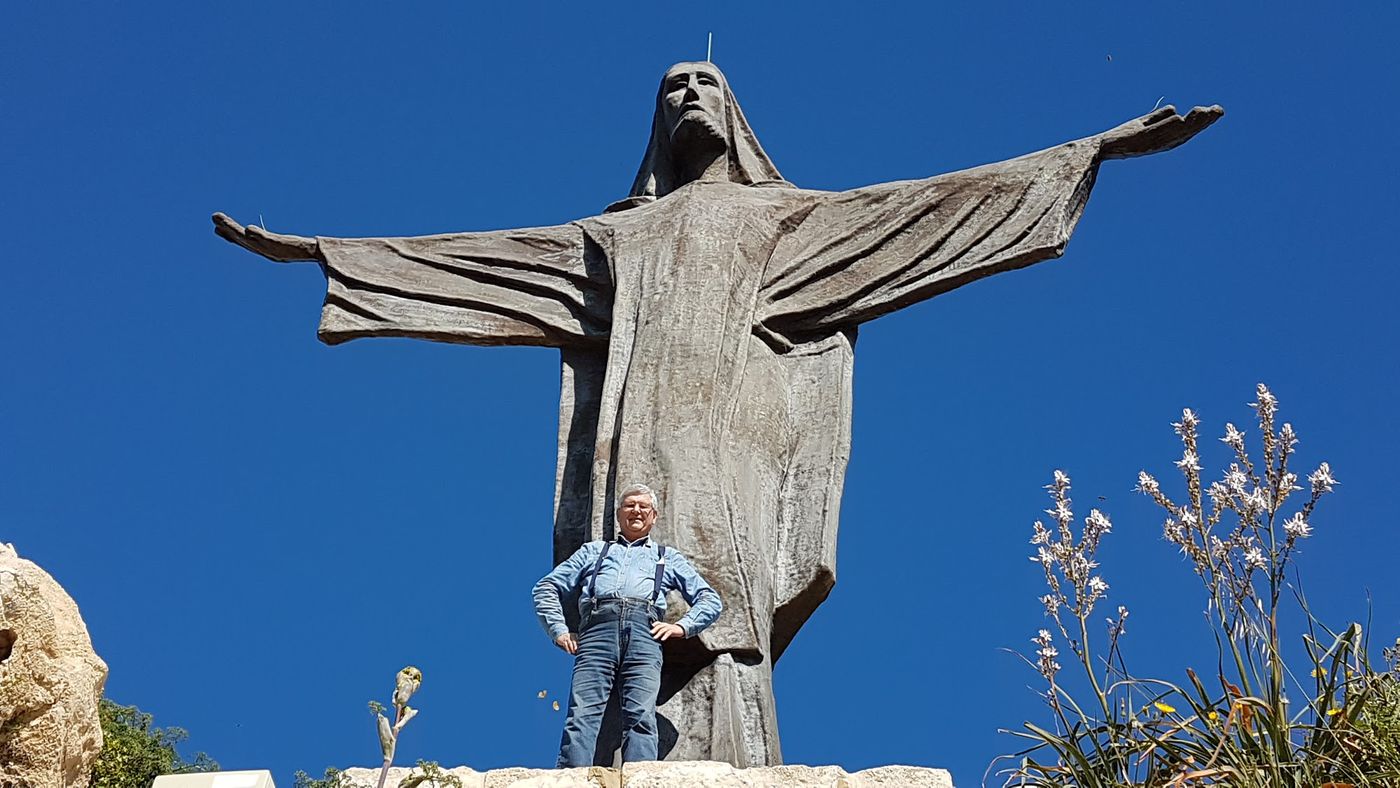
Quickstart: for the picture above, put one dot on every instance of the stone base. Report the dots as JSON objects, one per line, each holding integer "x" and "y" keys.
{"x": 678, "y": 774}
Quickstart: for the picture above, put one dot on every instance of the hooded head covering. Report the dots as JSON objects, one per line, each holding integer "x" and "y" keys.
{"x": 657, "y": 176}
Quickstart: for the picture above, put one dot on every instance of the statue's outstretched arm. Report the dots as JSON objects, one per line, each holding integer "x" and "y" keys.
{"x": 1157, "y": 131}
{"x": 274, "y": 246}
{"x": 530, "y": 286}
{"x": 866, "y": 252}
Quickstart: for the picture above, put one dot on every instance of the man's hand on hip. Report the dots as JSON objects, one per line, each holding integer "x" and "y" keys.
{"x": 662, "y": 630}
{"x": 567, "y": 641}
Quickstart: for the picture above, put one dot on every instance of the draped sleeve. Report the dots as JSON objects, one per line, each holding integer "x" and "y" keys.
{"x": 535, "y": 286}
{"x": 863, "y": 253}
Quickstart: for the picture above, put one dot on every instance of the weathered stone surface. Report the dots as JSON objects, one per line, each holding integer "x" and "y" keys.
{"x": 681, "y": 774}
{"x": 593, "y": 777}
{"x": 685, "y": 774}
{"x": 902, "y": 777}
{"x": 50, "y": 681}
{"x": 706, "y": 325}
{"x": 369, "y": 778}
{"x": 513, "y": 777}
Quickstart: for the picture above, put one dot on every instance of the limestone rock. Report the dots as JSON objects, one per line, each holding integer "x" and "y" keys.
{"x": 514, "y": 777}
{"x": 50, "y": 681}
{"x": 584, "y": 777}
{"x": 679, "y": 774}
{"x": 716, "y": 774}
{"x": 902, "y": 777}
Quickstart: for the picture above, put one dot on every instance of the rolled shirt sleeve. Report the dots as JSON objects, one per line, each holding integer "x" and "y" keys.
{"x": 554, "y": 587}
{"x": 704, "y": 601}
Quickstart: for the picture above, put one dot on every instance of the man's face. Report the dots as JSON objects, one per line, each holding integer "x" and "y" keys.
{"x": 636, "y": 516}
{"x": 692, "y": 93}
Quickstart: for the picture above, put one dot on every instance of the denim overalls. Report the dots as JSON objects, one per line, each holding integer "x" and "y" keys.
{"x": 615, "y": 645}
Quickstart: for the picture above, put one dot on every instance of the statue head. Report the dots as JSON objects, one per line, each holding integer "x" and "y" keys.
{"x": 637, "y": 509}
{"x": 692, "y": 106}
{"x": 696, "y": 113}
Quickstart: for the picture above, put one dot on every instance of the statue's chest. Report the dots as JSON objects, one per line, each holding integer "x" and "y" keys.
{"x": 699, "y": 254}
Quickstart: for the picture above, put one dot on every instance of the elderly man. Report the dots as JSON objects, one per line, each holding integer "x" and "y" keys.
{"x": 622, "y": 588}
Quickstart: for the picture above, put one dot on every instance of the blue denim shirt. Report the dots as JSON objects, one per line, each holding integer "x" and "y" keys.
{"x": 629, "y": 570}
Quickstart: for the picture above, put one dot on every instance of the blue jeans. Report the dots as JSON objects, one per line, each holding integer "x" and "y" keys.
{"x": 614, "y": 644}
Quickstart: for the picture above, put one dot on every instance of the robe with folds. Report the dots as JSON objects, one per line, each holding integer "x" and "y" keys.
{"x": 707, "y": 348}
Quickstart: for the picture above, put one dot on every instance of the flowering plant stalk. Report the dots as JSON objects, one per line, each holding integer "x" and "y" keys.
{"x": 1239, "y": 535}
{"x": 406, "y": 683}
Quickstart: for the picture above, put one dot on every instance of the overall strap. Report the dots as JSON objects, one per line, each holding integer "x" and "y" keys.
{"x": 598, "y": 567}
{"x": 660, "y": 570}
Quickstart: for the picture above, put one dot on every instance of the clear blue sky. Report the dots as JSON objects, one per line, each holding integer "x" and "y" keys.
{"x": 260, "y": 529}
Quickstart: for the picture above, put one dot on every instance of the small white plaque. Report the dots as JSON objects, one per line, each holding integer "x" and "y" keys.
{"x": 250, "y": 779}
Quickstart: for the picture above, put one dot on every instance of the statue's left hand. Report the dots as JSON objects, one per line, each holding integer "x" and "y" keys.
{"x": 1159, "y": 130}
{"x": 662, "y": 630}
{"x": 274, "y": 246}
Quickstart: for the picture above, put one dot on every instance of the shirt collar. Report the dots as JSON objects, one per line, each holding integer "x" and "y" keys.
{"x": 643, "y": 542}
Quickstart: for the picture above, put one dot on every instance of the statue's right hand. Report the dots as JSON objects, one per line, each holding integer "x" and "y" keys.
{"x": 273, "y": 246}
{"x": 567, "y": 641}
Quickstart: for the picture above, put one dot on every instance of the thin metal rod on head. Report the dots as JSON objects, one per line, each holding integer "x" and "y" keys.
{"x": 709, "y": 47}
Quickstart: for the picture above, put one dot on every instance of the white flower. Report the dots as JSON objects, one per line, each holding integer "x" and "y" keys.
{"x": 1046, "y": 664}
{"x": 1116, "y": 625}
{"x": 1233, "y": 437}
{"x": 1051, "y": 602}
{"x": 1148, "y": 485}
{"x": 1097, "y": 586}
{"x": 1061, "y": 480}
{"x": 1254, "y": 559}
{"x": 1189, "y": 461}
{"x": 1267, "y": 402}
{"x": 1188, "y": 517}
{"x": 1095, "y": 526}
{"x": 1041, "y": 536}
{"x": 1188, "y": 423}
{"x": 1321, "y": 479}
{"x": 1296, "y": 527}
{"x": 1043, "y": 557}
{"x": 1078, "y": 567}
{"x": 1256, "y": 500}
{"x": 1235, "y": 479}
{"x": 1218, "y": 494}
{"x": 1286, "y": 435}
{"x": 1174, "y": 532}
{"x": 1098, "y": 521}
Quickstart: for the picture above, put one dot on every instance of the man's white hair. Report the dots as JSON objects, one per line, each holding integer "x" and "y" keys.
{"x": 640, "y": 489}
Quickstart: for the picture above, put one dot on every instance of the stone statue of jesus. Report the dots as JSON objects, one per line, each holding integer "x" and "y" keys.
{"x": 706, "y": 326}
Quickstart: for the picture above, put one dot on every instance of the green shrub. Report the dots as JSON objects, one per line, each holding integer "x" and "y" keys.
{"x": 134, "y": 752}
{"x": 332, "y": 779}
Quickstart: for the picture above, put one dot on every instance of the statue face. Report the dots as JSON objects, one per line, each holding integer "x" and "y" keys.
{"x": 636, "y": 516}
{"x": 693, "y": 93}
